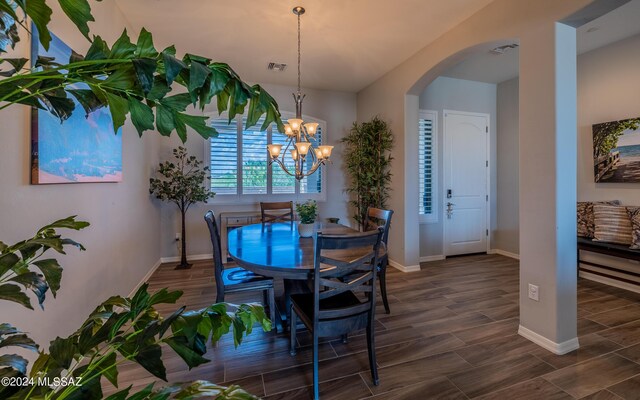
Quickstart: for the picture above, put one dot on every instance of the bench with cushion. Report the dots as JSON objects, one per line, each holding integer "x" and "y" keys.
{"x": 612, "y": 229}
{"x": 608, "y": 271}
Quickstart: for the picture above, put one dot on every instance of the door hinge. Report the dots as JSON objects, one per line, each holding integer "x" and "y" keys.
{"x": 487, "y": 197}
{"x": 486, "y": 129}
{"x": 487, "y": 232}
{"x": 487, "y": 163}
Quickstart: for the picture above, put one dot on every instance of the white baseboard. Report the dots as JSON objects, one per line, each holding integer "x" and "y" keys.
{"x": 432, "y": 258}
{"x": 403, "y": 268}
{"x": 146, "y": 277}
{"x": 195, "y": 257}
{"x": 557, "y": 348}
{"x": 504, "y": 253}
{"x": 609, "y": 281}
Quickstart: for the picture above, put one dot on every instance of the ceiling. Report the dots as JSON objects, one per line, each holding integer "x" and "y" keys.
{"x": 619, "y": 24}
{"x": 346, "y": 44}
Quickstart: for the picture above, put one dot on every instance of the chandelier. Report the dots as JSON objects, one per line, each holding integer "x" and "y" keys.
{"x": 299, "y": 135}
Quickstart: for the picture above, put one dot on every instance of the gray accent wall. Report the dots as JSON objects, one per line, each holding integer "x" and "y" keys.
{"x": 507, "y": 233}
{"x": 123, "y": 241}
{"x": 460, "y": 95}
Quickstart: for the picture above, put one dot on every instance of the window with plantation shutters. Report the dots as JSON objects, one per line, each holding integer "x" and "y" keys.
{"x": 427, "y": 151}
{"x": 240, "y": 169}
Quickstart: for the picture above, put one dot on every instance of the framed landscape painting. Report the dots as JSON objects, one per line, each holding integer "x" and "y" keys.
{"x": 83, "y": 148}
{"x": 616, "y": 151}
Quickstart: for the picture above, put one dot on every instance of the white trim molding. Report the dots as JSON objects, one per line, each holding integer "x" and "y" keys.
{"x": 146, "y": 277}
{"x": 504, "y": 253}
{"x": 556, "y": 348}
{"x": 403, "y": 268}
{"x": 195, "y": 257}
{"x": 437, "y": 257}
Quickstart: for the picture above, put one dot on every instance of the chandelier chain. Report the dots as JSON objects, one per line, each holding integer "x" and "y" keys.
{"x": 298, "y": 53}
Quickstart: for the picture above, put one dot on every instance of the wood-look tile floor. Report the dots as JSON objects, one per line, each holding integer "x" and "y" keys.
{"x": 451, "y": 334}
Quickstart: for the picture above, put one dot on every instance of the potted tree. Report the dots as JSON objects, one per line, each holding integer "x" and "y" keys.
{"x": 182, "y": 183}
{"x": 307, "y": 213}
{"x": 367, "y": 155}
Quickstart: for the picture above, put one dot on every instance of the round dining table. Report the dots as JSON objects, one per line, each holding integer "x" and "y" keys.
{"x": 276, "y": 249}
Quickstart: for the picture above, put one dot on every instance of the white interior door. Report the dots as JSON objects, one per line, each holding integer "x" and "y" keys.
{"x": 465, "y": 182}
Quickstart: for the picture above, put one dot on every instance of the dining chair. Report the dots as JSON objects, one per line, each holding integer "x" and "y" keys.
{"x": 283, "y": 209}
{"x": 237, "y": 279}
{"x": 379, "y": 218}
{"x": 342, "y": 270}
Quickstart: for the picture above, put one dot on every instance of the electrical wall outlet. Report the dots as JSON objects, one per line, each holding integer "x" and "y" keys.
{"x": 178, "y": 236}
{"x": 534, "y": 293}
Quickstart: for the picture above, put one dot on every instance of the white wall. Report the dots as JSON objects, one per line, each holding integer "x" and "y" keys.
{"x": 395, "y": 97}
{"x": 608, "y": 86}
{"x": 337, "y": 109}
{"x": 123, "y": 239}
{"x": 507, "y": 233}
{"x": 459, "y": 95}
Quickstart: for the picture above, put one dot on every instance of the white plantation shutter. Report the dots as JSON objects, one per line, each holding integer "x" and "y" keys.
{"x": 254, "y": 160}
{"x": 426, "y": 163}
{"x": 281, "y": 182}
{"x": 240, "y": 162}
{"x": 224, "y": 158}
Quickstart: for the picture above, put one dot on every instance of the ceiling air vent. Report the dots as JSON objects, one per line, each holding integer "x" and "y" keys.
{"x": 276, "y": 66}
{"x": 503, "y": 49}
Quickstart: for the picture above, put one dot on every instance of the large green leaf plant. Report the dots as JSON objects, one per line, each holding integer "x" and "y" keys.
{"x": 133, "y": 79}
{"x": 119, "y": 329}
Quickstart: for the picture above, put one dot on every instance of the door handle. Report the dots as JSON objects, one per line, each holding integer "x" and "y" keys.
{"x": 449, "y": 209}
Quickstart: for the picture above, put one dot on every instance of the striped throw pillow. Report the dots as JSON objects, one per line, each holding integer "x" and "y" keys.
{"x": 634, "y": 215}
{"x": 586, "y": 223}
{"x": 613, "y": 224}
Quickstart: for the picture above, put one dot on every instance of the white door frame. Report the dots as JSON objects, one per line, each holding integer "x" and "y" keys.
{"x": 444, "y": 178}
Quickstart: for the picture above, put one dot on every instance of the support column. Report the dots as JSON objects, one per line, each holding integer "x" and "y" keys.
{"x": 548, "y": 179}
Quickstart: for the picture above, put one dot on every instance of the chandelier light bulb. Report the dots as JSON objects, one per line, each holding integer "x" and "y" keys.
{"x": 274, "y": 150}
{"x": 294, "y": 154}
{"x": 295, "y": 123}
{"x": 326, "y": 151}
{"x": 287, "y": 130}
{"x": 311, "y": 127}
{"x": 303, "y": 148}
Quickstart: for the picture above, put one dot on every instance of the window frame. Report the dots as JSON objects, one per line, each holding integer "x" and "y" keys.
{"x": 433, "y": 216}
{"x": 243, "y": 198}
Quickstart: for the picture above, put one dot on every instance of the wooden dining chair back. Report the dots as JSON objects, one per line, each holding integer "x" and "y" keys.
{"x": 343, "y": 298}
{"x": 281, "y": 211}
{"x": 237, "y": 279}
{"x": 218, "y": 265}
{"x": 377, "y": 218}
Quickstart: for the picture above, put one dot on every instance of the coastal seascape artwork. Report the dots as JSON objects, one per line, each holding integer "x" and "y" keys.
{"x": 83, "y": 148}
{"x": 616, "y": 151}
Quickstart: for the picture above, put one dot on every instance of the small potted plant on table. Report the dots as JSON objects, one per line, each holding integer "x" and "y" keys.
{"x": 307, "y": 212}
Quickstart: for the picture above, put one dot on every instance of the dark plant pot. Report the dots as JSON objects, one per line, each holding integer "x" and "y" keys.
{"x": 184, "y": 266}
{"x": 333, "y": 220}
